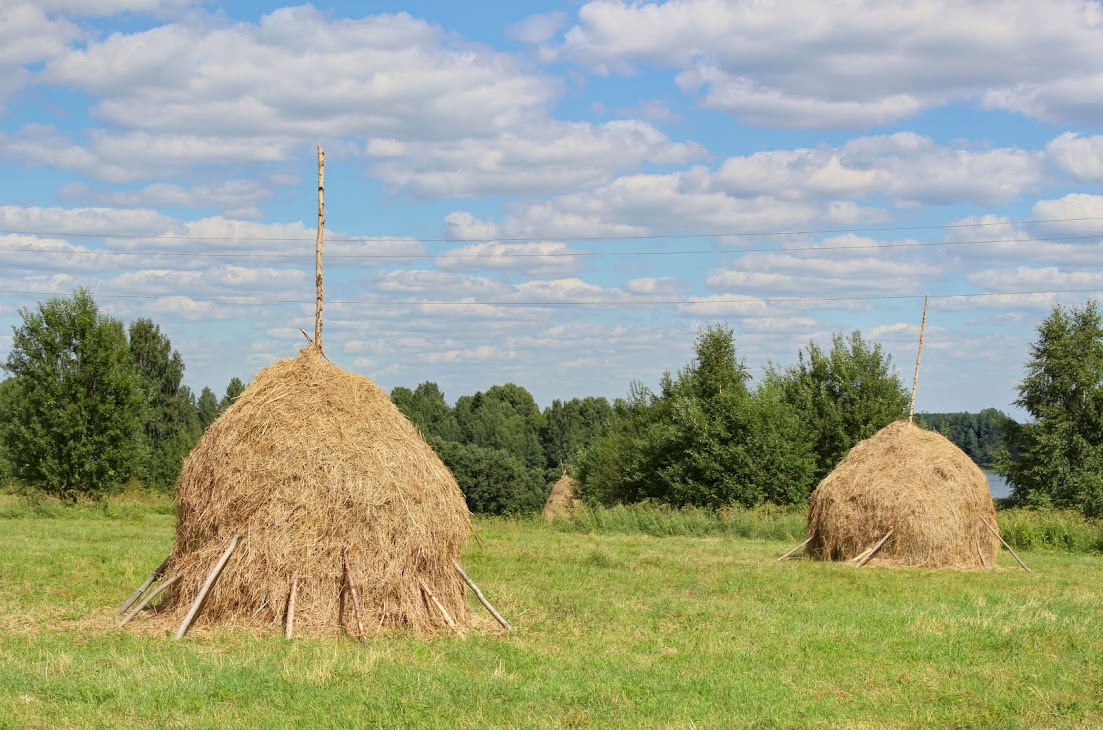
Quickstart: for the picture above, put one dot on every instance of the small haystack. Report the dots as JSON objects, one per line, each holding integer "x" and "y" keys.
{"x": 915, "y": 483}
{"x": 331, "y": 489}
{"x": 562, "y": 501}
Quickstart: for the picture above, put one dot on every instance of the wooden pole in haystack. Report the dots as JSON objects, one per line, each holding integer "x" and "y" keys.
{"x": 318, "y": 247}
{"x": 918, "y": 357}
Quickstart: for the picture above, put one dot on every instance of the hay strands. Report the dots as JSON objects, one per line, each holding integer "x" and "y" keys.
{"x": 868, "y": 554}
{"x": 289, "y": 626}
{"x": 145, "y": 601}
{"x": 355, "y": 599}
{"x": 440, "y": 606}
{"x": 482, "y": 599}
{"x": 157, "y": 573}
{"x": 998, "y": 535}
{"x": 211, "y": 578}
{"x": 798, "y": 547}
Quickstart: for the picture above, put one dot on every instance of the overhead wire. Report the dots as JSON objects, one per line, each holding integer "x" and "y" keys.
{"x": 543, "y": 238}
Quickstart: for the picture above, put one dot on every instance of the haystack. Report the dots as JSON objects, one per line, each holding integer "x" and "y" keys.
{"x": 310, "y": 466}
{"x": 919, "y": 485}
{"x": 562, "y": 501}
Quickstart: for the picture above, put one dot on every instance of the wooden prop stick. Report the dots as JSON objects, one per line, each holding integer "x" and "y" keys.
{"x": 145, "y": 601}
{"x": 440, "y": 606}
{"x": 798, "y": 547}
{"x": 918, "y": 357}
{"x": 157, "y": 573}
{"x": 211, "y": 578}
{"x": 289, "y": 630}
{"x": 355, "y": 599}
{"x": 998, "y": 535}
{"x": 868, "y": 554}
{"x": 983, "y": 562}
{"x": 482, "y": 599}
{"x": 318, "y": 247}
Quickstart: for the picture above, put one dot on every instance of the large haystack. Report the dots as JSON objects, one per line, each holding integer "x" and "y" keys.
{"x": 310, "y": 464}
{"x": 562, "y": 501}
{"x": 916, "y": 483}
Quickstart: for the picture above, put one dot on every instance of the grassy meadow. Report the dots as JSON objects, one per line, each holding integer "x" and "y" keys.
{"x": 615, "y": 627}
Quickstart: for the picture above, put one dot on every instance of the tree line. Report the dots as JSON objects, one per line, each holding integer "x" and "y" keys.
{"x": 90, "y": 404}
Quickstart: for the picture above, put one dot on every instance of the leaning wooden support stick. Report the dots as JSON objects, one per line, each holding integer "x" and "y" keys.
{"x": 482, "y": 599}
{"x": 998, "y": 535}
{"x": 157, "y": 573}
{"x": 980, "y": 553}
{"x": 355, "y": 599}
{"x": 211, "y": 578}
{"x": 440, "y": 606}
{"x": 868, "y": 554}
{"x": 798, "y": 547}
{"x": 289, "y": 629}
{"x": 146, "y": 601}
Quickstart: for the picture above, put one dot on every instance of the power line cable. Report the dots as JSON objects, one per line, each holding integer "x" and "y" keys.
{"x": 536, "y": 239}
{"x": 563, "y": 302}
{"x": 561, "y": 254}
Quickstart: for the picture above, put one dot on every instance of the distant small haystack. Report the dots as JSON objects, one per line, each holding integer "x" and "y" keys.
{"x": 338, "y": 503}
{"x": 562, "y": 501}
{"x": 915, "y": 483}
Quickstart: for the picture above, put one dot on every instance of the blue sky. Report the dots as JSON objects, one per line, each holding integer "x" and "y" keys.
{"x": 559, "y": 194}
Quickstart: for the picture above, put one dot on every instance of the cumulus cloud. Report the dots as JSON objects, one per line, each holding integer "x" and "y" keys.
{"x": 1081, "y": 158}
{"x": 547, "y": 157}
{"x": 542, "y": 258}
{"x": 297, "y": 73}
{"x": 910, "y": 168}
{"x": 854, "y": 63}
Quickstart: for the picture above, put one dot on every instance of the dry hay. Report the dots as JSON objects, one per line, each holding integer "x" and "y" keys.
{"x": 915, "y": 482}
{"x": 309, "y": 462}
{"x": 562, "y": 500}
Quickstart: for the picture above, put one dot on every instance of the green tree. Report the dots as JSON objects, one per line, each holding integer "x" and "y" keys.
{"x": 426, "y": 408}
{"x": 844, "y": 396}
{"x": 170, "y": 419}
{"x": 233, "y": 389}
{"x": 568, "y": 427}
{"x": 75, "y": 414}
{"x": 705, "y": 439}
{"x": 207, "y": 408}
{"x": 7, "y": 394}
{"x": 980, "y": 435}
{"x": 493, "y": 480}
{"x": 504, "y": 417}
{"x": 1060, "y": 452}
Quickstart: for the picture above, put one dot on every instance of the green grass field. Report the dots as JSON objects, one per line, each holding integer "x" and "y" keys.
{"x": 612, "y": 630}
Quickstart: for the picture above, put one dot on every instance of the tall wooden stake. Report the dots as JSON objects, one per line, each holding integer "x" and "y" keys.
{"x": 918, "y": 357}
{"x": 318, "y": 247}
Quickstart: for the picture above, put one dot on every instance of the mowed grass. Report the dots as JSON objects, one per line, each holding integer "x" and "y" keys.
{"x": 612, "y": 630}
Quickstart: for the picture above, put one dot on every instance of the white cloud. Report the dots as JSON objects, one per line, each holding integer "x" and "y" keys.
{"x": 226, "y": 196}
{"x": 296, "y": 73}
{"x": 1081, "y": 158}
{"x": 854, "y": 62}
{"x": 652, "y": 286}
{"x": 533, "y": 258}
{"x": 28, "y": 36}
{"x": 910, "y": 168}
{"x": 546, "y": 157}
{"x": 538, "y": 28}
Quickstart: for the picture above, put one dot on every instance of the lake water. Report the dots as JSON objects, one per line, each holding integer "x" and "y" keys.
{"x": 997, "y": 485}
